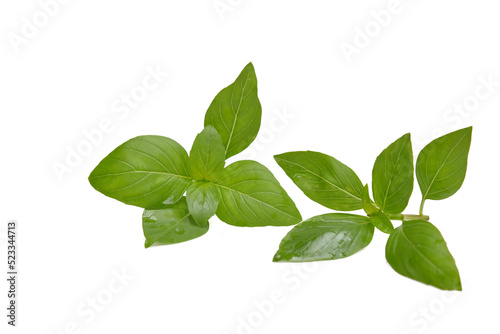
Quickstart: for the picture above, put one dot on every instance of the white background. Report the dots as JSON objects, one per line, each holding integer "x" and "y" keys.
{"x": 64, "y": 79}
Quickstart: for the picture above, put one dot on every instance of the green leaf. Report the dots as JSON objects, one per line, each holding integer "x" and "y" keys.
{"x": 170, "y": 224}
{"x": 442, "y": 164}
{"x": 327, "y": 237}
{"x": 206, "y": 159}
{"x": 323, "y": 179}
{"x": 418, "y": 251}
{"x": 393, "y": 176}
{"x": 202, "y": 200}
{"x": 382, "y": 222}
{"x": 144, "y": 171}
{"x": 251, "y": 196}
{"x": 236, "y": 112}
{"x": 368, "y": 205}
{"x": 377, "y": 217}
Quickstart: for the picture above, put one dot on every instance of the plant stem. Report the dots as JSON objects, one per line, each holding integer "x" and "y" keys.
{"x": 403, "y": 217}
{"x": 421, "y": 211}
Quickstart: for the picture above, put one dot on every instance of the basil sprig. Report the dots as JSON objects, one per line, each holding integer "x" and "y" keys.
{"x": 416, "y": 249}
{"x": 180, "y": 193}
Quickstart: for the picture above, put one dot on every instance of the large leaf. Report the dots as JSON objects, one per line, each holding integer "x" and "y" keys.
{"x": 441, "y": 166}
{"x": 144, "y": 171}
{"x": 202, "y": 199}
{"x": 417, "y": 250}
{"x": 393, "y": 176}
{"x": 236, "y": 112}
{"x": 206, "y": 159}
{"x": 323, "y": 179}
{"x": 170, "y": 224}
{"x": 251, "y": 196}
{"x": 326, "y": 237}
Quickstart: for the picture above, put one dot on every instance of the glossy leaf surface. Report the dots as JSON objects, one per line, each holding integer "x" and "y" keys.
{"x": 207, "y": 156}
{"x": 236, "y": 112}
{"x": 323, "y": 179}
{"x": 170, "y": 224}
{"x": 393, "y": 176}
{"x": 441, "y": 166}
{"x": 326, "y": 237}
{"x": 417, "y": 250}
{"x": 251, "y": 196}
{"x": 144, "y": 171}
{"x": 202, "y": 200}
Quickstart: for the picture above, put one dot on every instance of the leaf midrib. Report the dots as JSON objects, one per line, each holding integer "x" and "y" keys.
{"x": 332, "y": 184}
{"x": 172, "y": 227}
{"x": 255, "y": 199}
{"x": 141, "y": 171}
{"x": 441, "y": 167}
{"x": 392, "y": 177}
{"x": 237, "y": 111}
{"x": 419, "y": 252}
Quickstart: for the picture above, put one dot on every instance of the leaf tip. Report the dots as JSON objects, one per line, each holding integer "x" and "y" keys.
{"x": 278, "y": 156}
{"x": 277, "y": 257}
{"x": 458, "y": 283}
{"x": 469, "y": 130}
{"x": 209, "y": 127}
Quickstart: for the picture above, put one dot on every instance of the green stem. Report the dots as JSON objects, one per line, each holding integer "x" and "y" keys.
{"x": 421, "y": 211}
{"x": 403, "y": 217}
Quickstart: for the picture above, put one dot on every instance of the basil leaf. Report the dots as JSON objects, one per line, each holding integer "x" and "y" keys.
{"x": 236, "y": 112}
{"x": 170, "y": 224}
{"x": 251, "y": 196}
{"x": 418, "y": 251}
{"x": 202, "y": 200}
{"x": 144, "y": 171}
{"x": 323, "y": 179}
{"x": 368, "y": 205}
{"x": 206, "y": 159}
{"x": 442, "y": 164}
{"x": 327, "y": 237}
{"x": 382, "y": 222}
{"x": 377, "y": 217}
{"x": 393, "y": 176}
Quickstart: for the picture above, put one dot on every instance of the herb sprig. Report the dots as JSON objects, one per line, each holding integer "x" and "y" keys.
{"x": 415, "y": 249}
{"x": 181, "y": 192}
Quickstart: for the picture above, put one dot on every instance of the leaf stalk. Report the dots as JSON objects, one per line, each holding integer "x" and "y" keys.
{"x": 405, "y": 217}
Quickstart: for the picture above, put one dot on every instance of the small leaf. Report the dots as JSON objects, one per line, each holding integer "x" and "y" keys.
{"x": 382, "y": 222}
{"x": 251, "y": 196}
{"x": 236, "y": 112}
{"x": 377, "y": 217}
{"x": 368, "y": 205}
{"x": 202, "y": 200}
{"x": 418, "y": 251}
{"x": 206, "y": 159}
{"x": 144, "y": 171}
{"x": 326, "y": 237}
{"x": 393, "y": 176}
{"x": 323, "y": 179}
{"x": 441, "y": 166}
{"x": 170, "y": 224}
